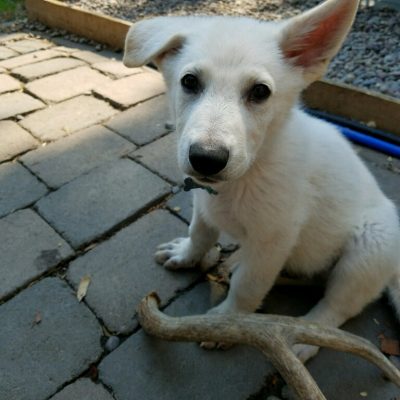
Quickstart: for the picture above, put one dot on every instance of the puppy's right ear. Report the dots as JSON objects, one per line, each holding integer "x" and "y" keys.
{"x": 153, "y": 39}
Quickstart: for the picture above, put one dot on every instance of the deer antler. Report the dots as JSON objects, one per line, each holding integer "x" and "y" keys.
{"x": 273, "y": 335}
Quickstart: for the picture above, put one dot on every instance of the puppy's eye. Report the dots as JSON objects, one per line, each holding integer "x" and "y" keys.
{"x": 191, "y": 83}
{"x": 259, "y": 93}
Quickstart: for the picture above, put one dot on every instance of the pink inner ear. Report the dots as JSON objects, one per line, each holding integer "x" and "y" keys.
{"x": 314, "y": 46}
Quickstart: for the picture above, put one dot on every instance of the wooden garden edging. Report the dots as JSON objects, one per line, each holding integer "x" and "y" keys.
{"x": 337, "y": 99}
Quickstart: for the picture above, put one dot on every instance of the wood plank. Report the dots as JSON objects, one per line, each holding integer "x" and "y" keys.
{"x": 92, "y": 25}
{"x": 357, "y": 104}
{"x": 338, "y": 99}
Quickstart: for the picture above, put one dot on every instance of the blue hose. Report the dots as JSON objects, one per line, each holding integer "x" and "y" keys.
{"x": 371, "y": 142}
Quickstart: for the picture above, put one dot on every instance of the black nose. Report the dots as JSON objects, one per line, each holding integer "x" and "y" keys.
{"x": 208, "y": 160}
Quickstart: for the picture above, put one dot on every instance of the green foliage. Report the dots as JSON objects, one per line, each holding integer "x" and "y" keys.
{"x": 10, "y": 8}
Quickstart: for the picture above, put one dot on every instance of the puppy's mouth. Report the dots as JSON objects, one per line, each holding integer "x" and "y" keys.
{"x": 206, "y": 180}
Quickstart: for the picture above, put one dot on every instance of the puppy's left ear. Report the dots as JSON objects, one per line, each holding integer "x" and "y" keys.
{"x": 310, "y": 40}
{"x": 153, "y": 39}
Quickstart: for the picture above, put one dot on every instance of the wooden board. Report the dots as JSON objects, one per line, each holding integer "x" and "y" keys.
{"x": 95, "y": 26}
{"x": 347, "y": 101}
{"x": 338, "y": 99}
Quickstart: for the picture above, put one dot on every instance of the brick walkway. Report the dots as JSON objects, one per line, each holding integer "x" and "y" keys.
{"x": 88, "y": 186}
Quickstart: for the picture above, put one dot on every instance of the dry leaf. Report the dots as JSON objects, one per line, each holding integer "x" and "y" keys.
{"x": 38, "y": 319}
{"x": 389, "y": 346}
{"x": 83, "y": 287}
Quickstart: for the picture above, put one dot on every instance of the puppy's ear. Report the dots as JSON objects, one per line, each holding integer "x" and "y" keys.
{"x": 309, "y": 40}
{"x": 153, "y": 39}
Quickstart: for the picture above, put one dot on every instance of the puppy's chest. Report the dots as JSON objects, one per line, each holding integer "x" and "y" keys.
{"x": 229, "y": 214}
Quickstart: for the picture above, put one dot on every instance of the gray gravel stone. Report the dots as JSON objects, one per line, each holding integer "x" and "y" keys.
{"x": 161, "y": 157}
{"x": 28, "y": 247}
{"x": 83, "y": 389}
{"x": 112, "y": 343}
{"x": 18, "y": 187}
{"x": 123, "y": 270}
{"x": 143, "y": 123}
{"x": 179, "y": 371}
{"x": 47, "y": 338}
{"x": 68, "y": 158}
{"x": 92, "y": 204}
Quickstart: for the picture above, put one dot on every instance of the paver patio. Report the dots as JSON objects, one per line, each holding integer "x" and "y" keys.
{"x": 88, "y": 187}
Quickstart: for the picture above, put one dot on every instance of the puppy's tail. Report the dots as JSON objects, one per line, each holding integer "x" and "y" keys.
{"x": 394, "y": 293}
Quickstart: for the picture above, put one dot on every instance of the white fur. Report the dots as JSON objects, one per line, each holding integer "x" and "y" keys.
{"x": 294, "y": 193}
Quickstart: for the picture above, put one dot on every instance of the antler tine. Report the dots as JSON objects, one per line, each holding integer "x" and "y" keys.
{"x": 273, "y": 335}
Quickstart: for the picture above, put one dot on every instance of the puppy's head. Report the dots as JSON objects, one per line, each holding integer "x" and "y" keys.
{"x": 231, "y": 81}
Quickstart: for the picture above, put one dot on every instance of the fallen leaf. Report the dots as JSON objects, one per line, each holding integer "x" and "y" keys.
{"x": 38, "y": 319}
{"x": 363, "y": 394}
{"x": 92, "y": 373}
{"x": 83, "y": 287}
{"x": 389, "y": 346}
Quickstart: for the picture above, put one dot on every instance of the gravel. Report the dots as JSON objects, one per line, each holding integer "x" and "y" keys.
{"x": 370, "y": 57}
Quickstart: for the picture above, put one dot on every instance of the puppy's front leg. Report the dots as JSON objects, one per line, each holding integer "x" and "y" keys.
{"x": 188, "y": 252}
{"x": 258, "y": 269}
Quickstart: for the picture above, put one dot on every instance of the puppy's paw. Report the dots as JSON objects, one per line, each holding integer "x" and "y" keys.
{"x": 176, "y": 254}
{"x": 304, "y": 351}
{"x": 180, "y": 253}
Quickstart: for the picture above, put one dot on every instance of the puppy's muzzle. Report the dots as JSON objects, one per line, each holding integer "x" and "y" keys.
{"x": 208, "y": 160}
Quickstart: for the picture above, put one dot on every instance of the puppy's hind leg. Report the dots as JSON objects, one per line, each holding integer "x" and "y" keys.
{"x": 368, "y": 264}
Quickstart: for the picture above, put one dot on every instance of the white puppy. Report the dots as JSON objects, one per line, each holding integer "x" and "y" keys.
{"x": 290, "y": 188}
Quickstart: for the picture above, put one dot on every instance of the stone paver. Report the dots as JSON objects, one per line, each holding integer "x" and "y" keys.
{"x": 171, "y": 371}
{"x": 67, "y": 117}
{"x": 90, "y": 57}
{"x": 144, "y": 122}
{"x": 389, "y": 183}
{"x": 29, "y": 45}
{"x": 161, "y": 157}
{"x": 14, "y": 140}
{"x": 13, "y": 104}
{"x": 18, "y": 187}
{"x": 8, "y": 83}
{"x": 182, "y": 205}
{"x": 134, "y": 89}
{"x": 116, "y": 68}
{"x": 69, "y": 84}
{"x": 123, "y": 270}
{"x": 28, "y": 247}
{"x": 92, "y": 204}
{"x": 5, "y": 53}
{"x": 7, "y": 37}
{"x": 83, "y": 389}
{"x": 29, "y": 58}
{"x": 66, "y": 159}
{"x": 37, "y": 358}
{"x": 47, "y": 67}
{"x": 353, "y": 375}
